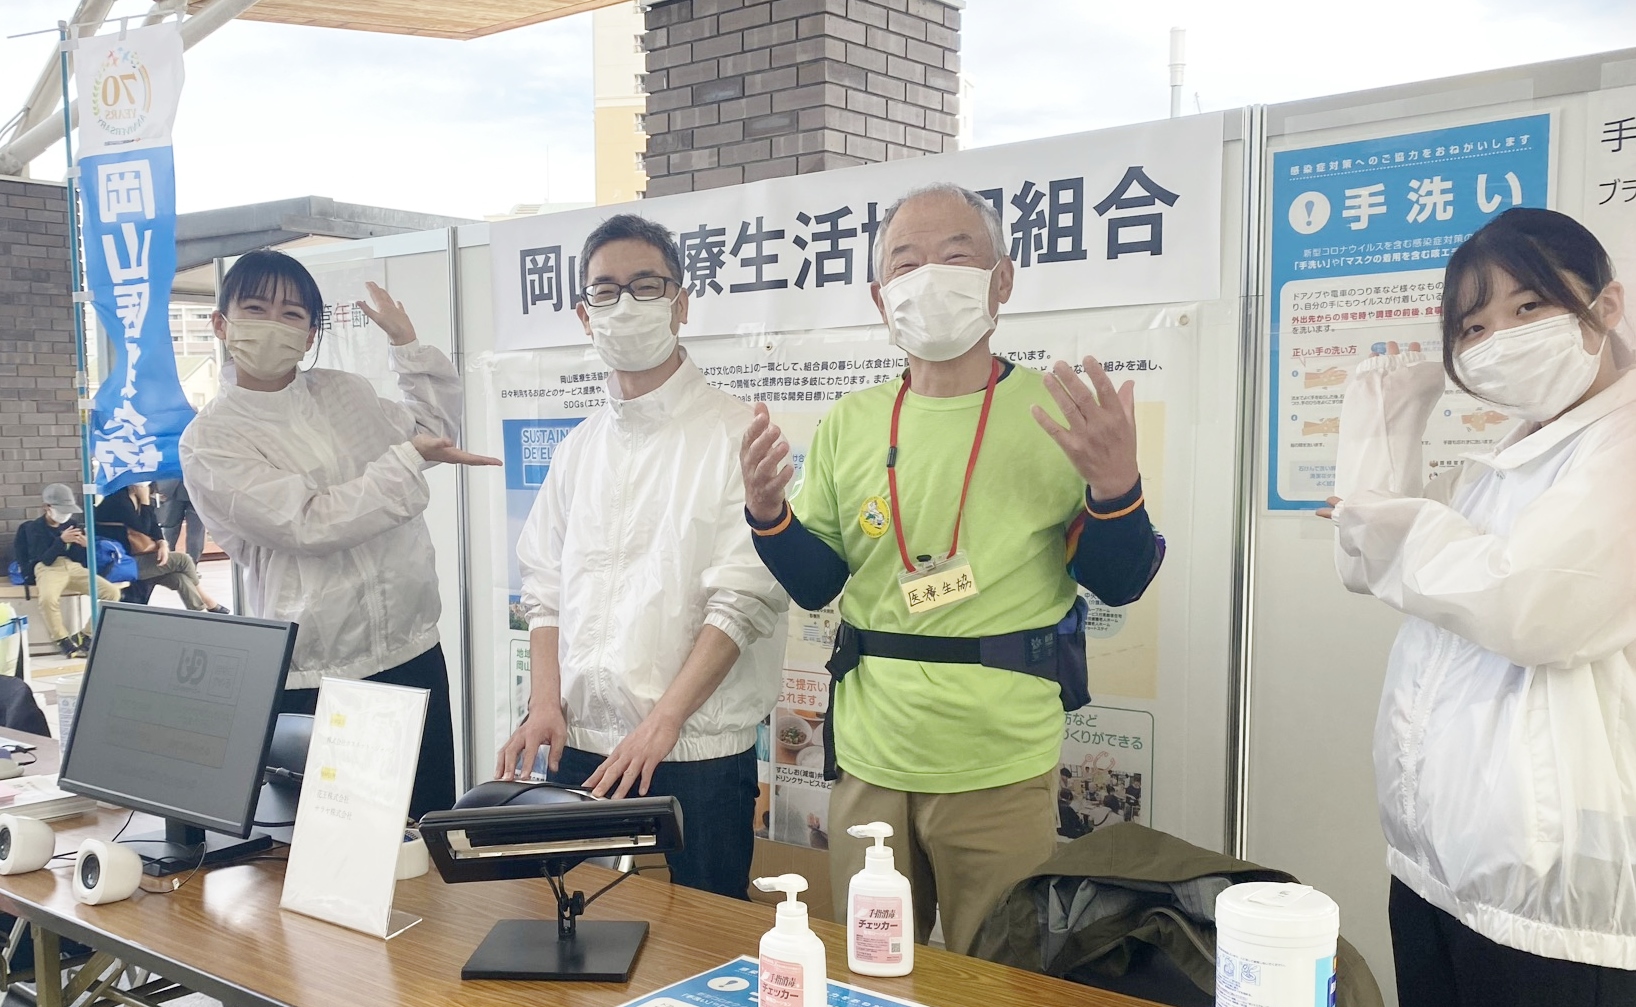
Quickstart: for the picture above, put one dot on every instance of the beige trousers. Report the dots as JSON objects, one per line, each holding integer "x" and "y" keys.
{"x": 64, "y": 576}
{"x": 960, "y": 852}
{"x": 177, "y": 573}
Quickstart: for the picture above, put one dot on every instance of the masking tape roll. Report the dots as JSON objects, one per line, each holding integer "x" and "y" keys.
{"x": 412, "y": 859}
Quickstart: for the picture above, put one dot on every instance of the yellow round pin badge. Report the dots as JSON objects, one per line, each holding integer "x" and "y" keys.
{"x": 874, "y": 517}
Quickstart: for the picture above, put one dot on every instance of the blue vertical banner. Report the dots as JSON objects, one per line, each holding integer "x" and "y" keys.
{"x": 1361, "y": 233}
{"x": 129, "y": 86}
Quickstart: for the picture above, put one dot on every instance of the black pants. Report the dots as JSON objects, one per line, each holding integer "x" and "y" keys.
{"x": 434, "y": 775}
{"x": 1443, "y": 963}
{"x": 718, "y": 799}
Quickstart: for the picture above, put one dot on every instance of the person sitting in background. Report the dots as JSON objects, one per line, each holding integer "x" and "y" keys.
{"x": 174, "y": 508}
{"x": 51, "y": 552}
{"x": 1107, "y": 811}
{"x": 1069, "y": 823}
{"x": 133, "y": 521}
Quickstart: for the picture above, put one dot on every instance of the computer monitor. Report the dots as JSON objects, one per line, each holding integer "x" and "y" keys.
{"x": 174, "y": 719}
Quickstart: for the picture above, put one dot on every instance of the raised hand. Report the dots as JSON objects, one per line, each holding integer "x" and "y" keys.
{"x": 1100, "y": 438}
{"x": 389, "y": 315}
{"x": 761, "y": 458}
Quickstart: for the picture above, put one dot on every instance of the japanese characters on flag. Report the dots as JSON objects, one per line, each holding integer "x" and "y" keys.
{"x": 129, "y": 86}
{"x": 1121, "y": 216}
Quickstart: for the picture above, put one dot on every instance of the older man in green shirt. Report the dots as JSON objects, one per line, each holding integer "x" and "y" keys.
{"x": 958, "y": 506}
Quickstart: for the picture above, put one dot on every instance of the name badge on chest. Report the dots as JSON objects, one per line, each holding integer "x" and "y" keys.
{"x": 937, "y": 584}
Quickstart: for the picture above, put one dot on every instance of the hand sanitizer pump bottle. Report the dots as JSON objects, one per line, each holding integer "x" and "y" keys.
{"x": 793, "y": 970}
{"x": 879, "y": 911}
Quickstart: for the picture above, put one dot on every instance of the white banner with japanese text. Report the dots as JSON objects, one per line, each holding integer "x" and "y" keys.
{"x": 1610, "y": 176}
{"x": 1116, "y": 217}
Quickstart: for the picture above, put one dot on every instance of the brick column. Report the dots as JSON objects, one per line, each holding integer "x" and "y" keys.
{"x": 741, "y": 90}
{"x": 39, "y": 426}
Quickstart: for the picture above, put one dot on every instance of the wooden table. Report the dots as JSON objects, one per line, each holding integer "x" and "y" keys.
{"x": 224, "y": 935}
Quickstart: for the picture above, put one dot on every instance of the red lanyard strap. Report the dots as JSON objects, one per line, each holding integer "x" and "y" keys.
{"x": 971, "y": 464}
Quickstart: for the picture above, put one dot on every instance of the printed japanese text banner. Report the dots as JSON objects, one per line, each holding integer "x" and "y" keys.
{"x": 129, "y": 86}
{"x": 1120, "y": 216}
{"x": 1608, "y": 192}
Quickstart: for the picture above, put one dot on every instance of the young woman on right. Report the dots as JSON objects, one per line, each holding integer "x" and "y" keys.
{"x": 1505, "y": 749}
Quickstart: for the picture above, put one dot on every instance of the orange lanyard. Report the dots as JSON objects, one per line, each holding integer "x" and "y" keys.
{"x": 971, "y": 464}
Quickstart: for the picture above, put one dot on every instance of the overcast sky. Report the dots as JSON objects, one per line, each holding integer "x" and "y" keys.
{"x": 473, "y": 128}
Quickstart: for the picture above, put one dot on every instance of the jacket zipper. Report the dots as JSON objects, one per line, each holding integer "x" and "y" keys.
{"x": 612, "y": 578}
{"x": 1436, "y": 670}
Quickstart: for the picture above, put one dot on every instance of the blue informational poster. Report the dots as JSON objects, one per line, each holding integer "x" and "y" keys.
{"x": 734, "y": 985}
{"x": 529, "y": 446}
{"x": 1361, "y": 233}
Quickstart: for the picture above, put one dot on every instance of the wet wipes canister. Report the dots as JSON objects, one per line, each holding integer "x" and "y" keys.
{"x": 1275, "y": 946}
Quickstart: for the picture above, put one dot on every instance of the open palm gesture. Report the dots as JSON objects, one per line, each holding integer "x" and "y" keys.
{"x": 389, "y": 315}
{"x": 1100, "y": 438}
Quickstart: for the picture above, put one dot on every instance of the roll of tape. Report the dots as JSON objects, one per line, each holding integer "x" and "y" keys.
{"x": 105, "y": 872}
{"x": 412, "y": 858}
{"x": 26, "y": 844}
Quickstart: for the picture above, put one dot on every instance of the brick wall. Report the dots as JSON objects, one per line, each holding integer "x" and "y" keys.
{"x": 39, "y": 426}
{"x": 741, "y": 90}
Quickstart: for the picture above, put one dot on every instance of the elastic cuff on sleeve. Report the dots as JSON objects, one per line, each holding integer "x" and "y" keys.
{"x": 410, "y": 457}
{"x": 732, "y": 627}
{"x": 542, "y": 622}
{"x": 1107, "y": 510}
{"x": 773, "y": 527}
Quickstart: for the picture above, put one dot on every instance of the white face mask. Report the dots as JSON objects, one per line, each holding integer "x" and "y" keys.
{"x": 938, "y": 312}
{"x": 265, "y": 350}
{"x": 59, "y": 516}
{"x": 1535, "y": 371}
{"x": 632, "y": 335}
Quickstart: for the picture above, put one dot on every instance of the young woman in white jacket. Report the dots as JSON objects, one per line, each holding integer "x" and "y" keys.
{"x": 314, "y": 484}
{"x": 1505, "y": 750}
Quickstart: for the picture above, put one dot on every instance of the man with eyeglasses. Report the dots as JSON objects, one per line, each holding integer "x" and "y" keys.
{"x": 655, "y": 632}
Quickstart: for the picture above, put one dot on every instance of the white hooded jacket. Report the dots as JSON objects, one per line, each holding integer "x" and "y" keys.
{"x": 1505, "y": 749}
{"x": 317, "y": 491}
{"x": 637, "y": 541}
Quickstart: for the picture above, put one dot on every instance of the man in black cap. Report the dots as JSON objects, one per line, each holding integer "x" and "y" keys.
{"x": 51, "y": 552}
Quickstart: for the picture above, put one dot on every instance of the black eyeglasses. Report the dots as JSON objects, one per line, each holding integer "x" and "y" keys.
{"x": 644, "y": 288}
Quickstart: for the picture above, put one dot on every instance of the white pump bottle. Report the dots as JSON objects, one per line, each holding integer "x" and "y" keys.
{"x": 879, "y": 911}
{"x": 793, "y": 970}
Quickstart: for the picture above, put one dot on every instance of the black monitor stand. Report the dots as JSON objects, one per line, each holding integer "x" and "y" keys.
{"x": 177, "y": 848}
{"x": 566, "y": 949}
